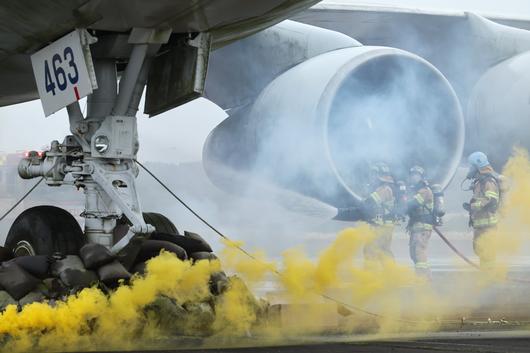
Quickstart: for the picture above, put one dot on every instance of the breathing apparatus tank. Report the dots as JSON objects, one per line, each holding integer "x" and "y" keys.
{"x": 401, "y": 199}
{"x": 438, "y": 204}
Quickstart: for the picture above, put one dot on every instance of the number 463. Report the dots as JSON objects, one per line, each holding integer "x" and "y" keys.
{"x": 58, "y": 72}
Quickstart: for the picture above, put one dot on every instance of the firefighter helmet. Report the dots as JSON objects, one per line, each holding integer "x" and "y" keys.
{"x": 381, "y": 171}
{"x": 416, "y": 176}
{"x": 478, "y": 160}
{"x": 417, "y": 170}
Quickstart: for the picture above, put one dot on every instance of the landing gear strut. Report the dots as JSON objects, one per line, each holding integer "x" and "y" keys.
{"x": 99, "y": 156}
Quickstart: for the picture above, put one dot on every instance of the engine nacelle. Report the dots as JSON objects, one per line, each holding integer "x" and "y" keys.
{"x": 316, "y": 128}
{"x": 498, "y": 115}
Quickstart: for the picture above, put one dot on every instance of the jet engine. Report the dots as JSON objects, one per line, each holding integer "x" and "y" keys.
{"x": 317, "y": 127}
{"x": 498, "y": 111}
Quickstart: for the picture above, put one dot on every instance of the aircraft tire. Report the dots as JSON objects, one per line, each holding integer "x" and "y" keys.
{"x": 161, "y": 223}
{"x": 45, "y": 230}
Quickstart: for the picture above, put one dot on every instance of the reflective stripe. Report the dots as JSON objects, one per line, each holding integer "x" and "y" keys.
{"x": 419, "y": 198}
{"x": 374, "y": 195}
{"x": 379, "y": 221}
{"x": 389, "y": 204}
{"x": 483, "y": 222}
{"x": 421, "y": 226}
{"x": 422, "y": 265}
{"x": 477, "y": 205}
{"x": 492, "y": 194}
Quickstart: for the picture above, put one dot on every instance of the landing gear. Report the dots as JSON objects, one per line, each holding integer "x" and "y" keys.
{"x": 45, "y": 230}
{"x": 161, "y": 223}
{"x": 99, "y": 156}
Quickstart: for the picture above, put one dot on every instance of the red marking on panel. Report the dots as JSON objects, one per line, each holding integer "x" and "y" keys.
{"x": 76, "y": 93}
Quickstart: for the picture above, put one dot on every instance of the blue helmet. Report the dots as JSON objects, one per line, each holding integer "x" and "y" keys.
{"x": 478, "y": 160}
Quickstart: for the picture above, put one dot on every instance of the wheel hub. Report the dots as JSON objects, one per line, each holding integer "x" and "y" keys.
{"x": 23, "y": 248}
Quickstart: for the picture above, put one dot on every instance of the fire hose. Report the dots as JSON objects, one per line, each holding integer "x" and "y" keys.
{"x": 455, "y": 250}
{"x": 468, "y": 260}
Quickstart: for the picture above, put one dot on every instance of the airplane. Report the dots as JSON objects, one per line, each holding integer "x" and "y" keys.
{"x": 309, "y": 107}
{"x": 61, "y": 51}
{"x": 314, "y": 100}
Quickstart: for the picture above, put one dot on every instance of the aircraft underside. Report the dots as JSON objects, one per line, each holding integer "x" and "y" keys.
{"x": 310, "y": 110}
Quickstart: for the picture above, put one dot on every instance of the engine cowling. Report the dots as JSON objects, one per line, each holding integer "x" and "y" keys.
{"x": 316, "y": 128}
{"x": 498, "y": 114}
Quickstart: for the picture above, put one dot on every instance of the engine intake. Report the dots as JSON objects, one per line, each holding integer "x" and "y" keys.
{"x": 317, "y": 127}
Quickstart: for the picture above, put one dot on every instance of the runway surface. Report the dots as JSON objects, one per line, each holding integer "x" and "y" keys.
{"x": 487, "y": 342}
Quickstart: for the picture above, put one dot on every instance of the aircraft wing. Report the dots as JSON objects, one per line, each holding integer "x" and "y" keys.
{"x": 28, "y": 25}
{"x": 377, "y": 24}
{"x": 450, "y": 40}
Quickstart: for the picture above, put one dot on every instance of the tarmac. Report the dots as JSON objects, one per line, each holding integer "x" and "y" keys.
{"x": 497, "y": 322}
{"x": 477, "y": 342}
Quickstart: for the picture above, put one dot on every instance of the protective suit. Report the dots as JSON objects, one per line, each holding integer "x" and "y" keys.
{"x": 483, "y": 206}
{"x": 378, "y": 209}
{"x": 420, "y": 204}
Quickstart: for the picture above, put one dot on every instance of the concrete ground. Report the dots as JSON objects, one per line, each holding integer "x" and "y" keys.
{"x": 476, "y": 342}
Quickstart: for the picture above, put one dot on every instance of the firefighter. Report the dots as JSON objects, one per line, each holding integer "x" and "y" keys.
{"x": 378, "y": 210}
{"x": 483, "y": 205}
{"x": 420, "y": 205}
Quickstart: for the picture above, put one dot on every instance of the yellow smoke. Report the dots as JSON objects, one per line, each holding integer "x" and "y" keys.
{"x": 251, "y": 269}
{"x": 126, "y": 319}
{"x": 308, "y": 285}
{"x": 92, "y": 320}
